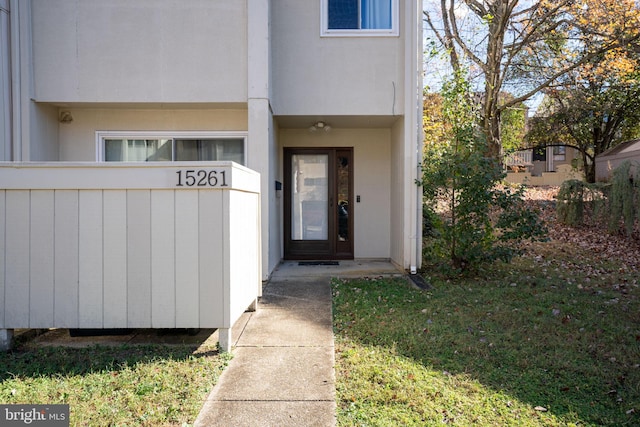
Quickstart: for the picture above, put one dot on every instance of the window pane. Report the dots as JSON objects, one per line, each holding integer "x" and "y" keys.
{"x": 343, "y": 14}
{"x": 137, "y": 150}
{"x": 342, "y": 169}
{"x": 161, "y": 151}
{"x": 210, "y": 150}
{"x": 309, "y": 197}
{"x": 376, "y": 14}
{"x": 113, "y": 150}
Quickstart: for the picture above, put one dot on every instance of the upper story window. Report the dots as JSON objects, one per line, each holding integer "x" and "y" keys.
{"x": 359, "y": 17}
{"x": 165, "y": 147}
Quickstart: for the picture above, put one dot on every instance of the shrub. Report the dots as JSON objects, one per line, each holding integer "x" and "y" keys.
{"x": 624, "y": 198}
{"x": 614, "y": 203}
{"x": 577, "y": 198}
{"x": 480, "y": 221}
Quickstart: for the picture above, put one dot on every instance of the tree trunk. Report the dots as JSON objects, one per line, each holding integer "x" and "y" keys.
{"x": 491, "y": 128}
{"x": 589, "y": 168}
{"x": 493, "y": 76}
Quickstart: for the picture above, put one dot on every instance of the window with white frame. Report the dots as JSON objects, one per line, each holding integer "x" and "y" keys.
{"x": 167, "y": 147}
{"x": 359, "y": 17}
{"x": 559, "y": 153}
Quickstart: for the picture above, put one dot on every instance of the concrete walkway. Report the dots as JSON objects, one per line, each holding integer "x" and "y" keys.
{"x": 282, "y": 372}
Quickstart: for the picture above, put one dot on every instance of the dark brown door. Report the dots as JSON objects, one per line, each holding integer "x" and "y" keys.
{"x": 318, "y": 189}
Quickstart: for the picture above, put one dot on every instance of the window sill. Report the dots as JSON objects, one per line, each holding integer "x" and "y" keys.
{"x": 359, "y": 33}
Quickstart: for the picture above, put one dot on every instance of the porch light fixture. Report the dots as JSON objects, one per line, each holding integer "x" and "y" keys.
{"x": 320, "y": 126}
{"x": 65, "y": 117}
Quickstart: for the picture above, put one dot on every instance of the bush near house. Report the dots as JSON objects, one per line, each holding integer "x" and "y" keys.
{"x": 470, "y": 217}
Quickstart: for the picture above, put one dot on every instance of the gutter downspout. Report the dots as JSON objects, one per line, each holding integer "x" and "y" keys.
{"x": 415, "y": 45}
{"x": 420, "y": 133}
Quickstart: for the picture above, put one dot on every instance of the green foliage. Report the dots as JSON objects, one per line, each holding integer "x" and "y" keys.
{"x": 614, "y": 203}
{"x": 480, "y": 221}
{"x": 624, "y": 199}
{"x": 575, "y": 197}
{"x": 570, "y": 207}
{"x": 512, "y": 128}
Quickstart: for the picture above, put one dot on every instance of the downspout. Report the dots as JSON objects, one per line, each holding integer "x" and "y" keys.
{"x": 416, "y": 82}
{"x": 419, "y": 133}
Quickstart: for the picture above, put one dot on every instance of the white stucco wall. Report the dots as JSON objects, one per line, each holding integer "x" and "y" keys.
{"x": 139, "y": 51}
{"x": 43, "y": 140}
{"x": 276, "y": 213}
{"x": 372, "y": 169}
{"x": 398, "y": 207}
{"x": 332, "y": 75}
{"x": 77, "y": 139}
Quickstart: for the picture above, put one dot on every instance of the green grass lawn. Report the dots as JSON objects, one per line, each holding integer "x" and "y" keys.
{"x": 544, "y": 341}
{"x": 150, "y": 385}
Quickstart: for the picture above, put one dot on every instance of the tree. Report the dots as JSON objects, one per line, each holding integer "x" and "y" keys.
{"x": 590, "y": 117}
{"x": 512, "y": 127}
{"x": 435, "y": 128}
{"x": 433, "y": 124}
{"x": 525, "y": 45}
{"x": 596, "y": 105}
{"x": 471, "y": 218}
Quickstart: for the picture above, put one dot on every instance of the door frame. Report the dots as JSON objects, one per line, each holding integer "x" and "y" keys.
{"x": 333, "y": 247}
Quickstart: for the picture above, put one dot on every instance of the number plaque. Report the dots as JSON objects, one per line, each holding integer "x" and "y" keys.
{"x": 201, "y": 178}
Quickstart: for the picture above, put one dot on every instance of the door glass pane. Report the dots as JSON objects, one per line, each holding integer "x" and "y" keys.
{"x": 342, "y": 169}
{"x": 309, "y": 196}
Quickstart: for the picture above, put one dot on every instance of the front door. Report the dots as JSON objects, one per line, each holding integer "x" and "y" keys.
{"x": 318, "y": 188}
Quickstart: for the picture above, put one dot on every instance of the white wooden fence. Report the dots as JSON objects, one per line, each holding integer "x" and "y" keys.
{"x": 170, "y": 245}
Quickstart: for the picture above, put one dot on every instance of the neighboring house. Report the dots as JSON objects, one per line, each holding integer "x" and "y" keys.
{"x": 323, "y": 101}
{"x": 614, "y": 157}
{"x": 545, "y": 166}
{"x": 542, "y": 160}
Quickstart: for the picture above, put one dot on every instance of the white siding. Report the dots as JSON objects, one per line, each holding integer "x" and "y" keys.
{"x": 115, "y": 258}
{"x": 163, "y": 269}
{"x": 66, "y": 268}
{"x": 138, "y": 257}
{"x": 127, "y": 258}
{"x": 187, "y": 268}
{"x": 244, "y": 261}
{"x": 42, "y": 259}
{"x": 211, "y": 251}
{"x": 16, "y": 304}
{"x": 90, "y": 259}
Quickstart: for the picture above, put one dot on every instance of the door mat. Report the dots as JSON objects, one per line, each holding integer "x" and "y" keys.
{"x": 318, "y": 263}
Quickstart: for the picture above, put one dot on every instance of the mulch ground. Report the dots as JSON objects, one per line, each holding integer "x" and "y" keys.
{"x": 592, "y": 237}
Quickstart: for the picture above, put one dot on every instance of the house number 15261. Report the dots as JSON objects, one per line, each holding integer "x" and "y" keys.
{"x": 201, "y": 178}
